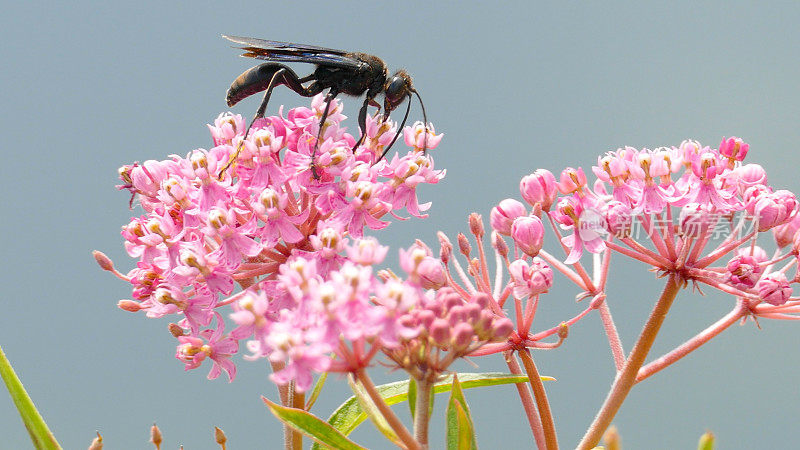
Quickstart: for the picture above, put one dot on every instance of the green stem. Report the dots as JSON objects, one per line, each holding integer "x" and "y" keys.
{"x": 627, "y": 377}
{"x": 41, "y": 436}
{"x": 422, "y": 408}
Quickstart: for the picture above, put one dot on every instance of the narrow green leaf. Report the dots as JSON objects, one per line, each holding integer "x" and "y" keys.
{"x": 311, "y": 426}
{"x": 460, "y": 429}
{"x": 412, "y": 396}
{"x": 312, "y": 398}
{"x": 41, "y": 436}
{"x": 349, "y": 415}
{"x": 372, "y": 411}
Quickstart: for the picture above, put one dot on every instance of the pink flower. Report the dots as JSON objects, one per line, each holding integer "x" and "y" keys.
{"x": 775, "y": 209}
{"x": 774, "y": 289}
{"x": 539, "y": 188}
{"x": 504, "y": 214}
{"x": 419, "y": 137}
{"x": 743, "y": 272}
{"x": 572, "y": 180}
{"x": 530, "y": 280}
{"x": 528, "y": 234}
{"x": 733, "y": 148}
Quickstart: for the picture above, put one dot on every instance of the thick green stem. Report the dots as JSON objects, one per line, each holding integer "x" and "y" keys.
{"x": 627, "y": 377}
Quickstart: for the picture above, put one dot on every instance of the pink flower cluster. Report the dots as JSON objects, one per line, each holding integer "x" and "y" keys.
{"x": 278, "y": 224}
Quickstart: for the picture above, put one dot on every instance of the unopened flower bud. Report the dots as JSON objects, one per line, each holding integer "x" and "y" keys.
{"x": 155, "y": 435}
{"x": 775, "y": 209}
{"x": 103, "y": 261}
{"x": 463, "y": 245}
{"x": 219, "y": 436}
{"x": 755, "y": 251}
{"x": 504, "y": 214}
{"x": 97, "y": 443}
{"x": 528, "y": 234}
{"x": 431, "y": 273}
{"x": 499, "y": 244}
{"x": 502, "y": 328}
{"x": 463, "y": 335}
{"x": 539, "y": 188}
{"x": 563, "y": 330}
{"x": 175, "y": 330}
{"x": 481, "y": 299}
{"x": 476, "y": 225}
{"x": 750, "y": 175}
{"x": 774, "y": 289}
{"x": 440, "y": 332}
{"x": 129, "y": 305}
{"x": 619, "y": 219}
{"x": 784, "y": 234}
{"x": 445, "y": 247}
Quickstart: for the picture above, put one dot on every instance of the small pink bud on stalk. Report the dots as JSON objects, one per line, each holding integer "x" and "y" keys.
{"x": 129, "y": 305}
{"x": 476, "y": 225}
{"x": 97, "y": 443}
{"x": 103, "y": 260}
{"x": 784, "y": 234}
{"x": 220, "y": 438}
{"x": 528, "y": 234}
{"x": 155, "y": 436}
{"x": 774, "y": 289}
{"x": 539, "y": 188}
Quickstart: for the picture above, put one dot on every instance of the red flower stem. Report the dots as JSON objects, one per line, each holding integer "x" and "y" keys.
{"x": 722, "y": 251}
{"x": 627, "y": 377}
{"x": 534, "y": 420}
{"x": 551, "y": 441}
{"x": 635, "y": 245}
{"x": 670, "y": 235}
{"x": 633, "y": 254}
{"x": 484, "y": 266}
{"x": 694, "y": 343}
{"x": 543, "y": 334}
{"x": 655, "y": 236}
{"x": 613, "y": 337}
{"x": 398, "y": 427}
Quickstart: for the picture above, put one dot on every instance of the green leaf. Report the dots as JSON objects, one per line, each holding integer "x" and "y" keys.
{"x": 312, "y": 398}
{"x": 41, "y": 436}
{"x": 349, "y": 415}
{"x": 412, "y": 396}
{"x": 311, "y": 426}
{"x": 706, "y": 441}
{"x": 460, "y": 429}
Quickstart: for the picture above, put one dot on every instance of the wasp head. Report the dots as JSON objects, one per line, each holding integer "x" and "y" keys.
{"x": 396, "y": 89}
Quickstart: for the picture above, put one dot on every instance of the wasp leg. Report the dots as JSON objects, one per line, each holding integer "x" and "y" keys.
{"x": 362, "y": 119}
{"x": 255, "y": 80}
{"x": 332, "y": 93}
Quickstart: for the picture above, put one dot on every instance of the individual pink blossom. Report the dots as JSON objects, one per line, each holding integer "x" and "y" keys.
{"x": 530, "y": 279}
{"x": 419, "y": 137}
{"x": 774, "y": 289}
{"x": 743, "y": 272}
{"x": 733, "y": 148}
{"x": 504, "y": 214}
{"x": 528, "y": 234}
{"x": 785, "y": 234}
{"x": 775, "y": 209}
{"x": 539, "y": 188}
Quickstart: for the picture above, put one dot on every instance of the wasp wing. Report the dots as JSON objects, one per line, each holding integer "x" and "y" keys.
{"x": 291, "y": 52}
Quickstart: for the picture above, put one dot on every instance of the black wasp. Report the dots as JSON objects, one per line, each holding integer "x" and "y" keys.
{"x": 338, "y": 71}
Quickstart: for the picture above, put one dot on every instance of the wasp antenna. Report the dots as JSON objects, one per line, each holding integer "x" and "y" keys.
{"x": 399, "y": 130}
{"x": 424, "y": 117}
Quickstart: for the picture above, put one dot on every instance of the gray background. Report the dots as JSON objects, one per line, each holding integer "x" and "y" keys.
{"x": 87, "y": 87}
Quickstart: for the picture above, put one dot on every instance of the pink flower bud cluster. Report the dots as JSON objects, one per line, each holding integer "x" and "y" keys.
{"x": 278, "y": 222}
{"x": 448, "y": 327}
